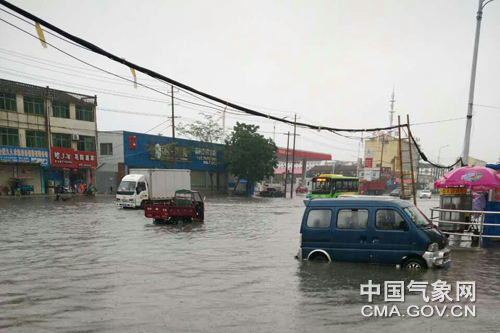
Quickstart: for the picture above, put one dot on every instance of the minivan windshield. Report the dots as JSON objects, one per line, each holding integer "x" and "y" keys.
{"x": 126, "y": 187}
{"x": 417, "y": 217}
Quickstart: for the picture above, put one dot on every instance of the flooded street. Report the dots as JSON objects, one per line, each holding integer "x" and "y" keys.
{"x": 86, "y": 266}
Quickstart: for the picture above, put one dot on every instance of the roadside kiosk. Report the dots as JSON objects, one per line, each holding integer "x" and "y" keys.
{"x": 454, "y": 198}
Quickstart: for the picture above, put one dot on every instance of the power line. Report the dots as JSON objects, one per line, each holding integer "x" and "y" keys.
{"x": 132, "y": 112}
{"x": 488, "y": 106}
{"x": 154, "y": 74}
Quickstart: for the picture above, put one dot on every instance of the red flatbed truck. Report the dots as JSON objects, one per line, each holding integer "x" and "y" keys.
{"x": 186, "y": 206}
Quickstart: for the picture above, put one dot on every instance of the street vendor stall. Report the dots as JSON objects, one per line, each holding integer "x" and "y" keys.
{"x": 456, "y": 192}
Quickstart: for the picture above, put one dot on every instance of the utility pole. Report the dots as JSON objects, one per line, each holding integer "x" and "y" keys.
{"x": 468, "y": 126}
{"x": 224, "y": 123}
{"x": 382, "y": 157}
{"x": 173, "y": 127}
{"x": 359, "y": 149}
{"x": 286, "y": 159}
{"x": 293, "y": 154}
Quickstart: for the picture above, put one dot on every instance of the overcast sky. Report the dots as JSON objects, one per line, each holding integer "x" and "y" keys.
{"x": 334, "y": 63}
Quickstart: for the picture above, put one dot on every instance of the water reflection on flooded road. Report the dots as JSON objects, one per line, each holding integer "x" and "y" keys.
{"x": 86, "y": 266}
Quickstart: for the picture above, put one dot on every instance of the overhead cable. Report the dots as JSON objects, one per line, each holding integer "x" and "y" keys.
{"x": 168, "y": 80}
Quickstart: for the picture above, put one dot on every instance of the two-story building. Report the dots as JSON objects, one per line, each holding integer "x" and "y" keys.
{"x": 47, "y": 137}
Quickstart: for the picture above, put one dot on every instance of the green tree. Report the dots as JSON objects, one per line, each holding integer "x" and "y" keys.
{"x": 210, "y": 135}
{"x": 250, "y": 155}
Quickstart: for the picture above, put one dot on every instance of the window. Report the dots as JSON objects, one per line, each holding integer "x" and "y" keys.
{"x": 389, "y": 220}
{"x": 9, "y": 137}
{"x": 84, "y": 112}
{"x": 86, "y": 143}
{"x": 34, "y": 106}
{"x": 319, "y": 218}
{"x": 321, "y": 186}
{"x": 141, "y": 186}
{"x": 352, "y": 219}
{"x": 60, "y": 110}
{"x": 36, "y": 139}
{"x": 60, "y": 140}
{"x": 8, "y": 102}
{"x": 106, "y": 149}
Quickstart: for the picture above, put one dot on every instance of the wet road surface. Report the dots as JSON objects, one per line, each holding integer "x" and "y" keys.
{"x": 86, "y": 266}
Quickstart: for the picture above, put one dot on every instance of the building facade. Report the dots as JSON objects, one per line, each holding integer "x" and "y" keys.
{"x": 47, "y": 137}
{"x": 381, "y": 159}
{"x": 120, "y": 151}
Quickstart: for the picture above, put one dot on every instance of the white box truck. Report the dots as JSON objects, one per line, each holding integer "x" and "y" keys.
{"x": 151, "y": 184}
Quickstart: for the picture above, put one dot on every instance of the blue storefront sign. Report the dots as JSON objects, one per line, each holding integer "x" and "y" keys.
{"x": 152, "y": 151}
{"x": 24, "y": 155}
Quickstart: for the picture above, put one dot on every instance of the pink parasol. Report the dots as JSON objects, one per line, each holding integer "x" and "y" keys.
{"x": 475, "y": 178}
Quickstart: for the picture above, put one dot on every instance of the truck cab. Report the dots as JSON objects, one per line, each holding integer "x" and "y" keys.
{"x": 132, "y": 191}
{"x": 372, "y": 230}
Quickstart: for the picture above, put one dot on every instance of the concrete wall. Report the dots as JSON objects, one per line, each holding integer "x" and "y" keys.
{"x": 109, "y": 163}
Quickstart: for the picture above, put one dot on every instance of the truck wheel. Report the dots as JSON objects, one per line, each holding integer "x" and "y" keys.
{"x": 414, "y": 264}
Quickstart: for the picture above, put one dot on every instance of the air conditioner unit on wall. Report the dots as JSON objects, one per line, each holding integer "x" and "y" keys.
{"x": 75, "y": 137}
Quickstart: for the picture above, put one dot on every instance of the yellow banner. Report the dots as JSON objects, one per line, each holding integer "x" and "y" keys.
{"x": 135, "y": 77}
{"x": 40, "y": 34}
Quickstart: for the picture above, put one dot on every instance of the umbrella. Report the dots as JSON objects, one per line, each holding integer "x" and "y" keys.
{"x": 475, "y": 178}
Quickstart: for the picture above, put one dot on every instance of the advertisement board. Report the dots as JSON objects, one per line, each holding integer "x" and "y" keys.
{"x": 70, "y": 158}
{"x": 24, "y": 155}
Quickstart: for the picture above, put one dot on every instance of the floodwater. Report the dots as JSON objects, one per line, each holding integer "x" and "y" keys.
{"x": 86, "y": 266}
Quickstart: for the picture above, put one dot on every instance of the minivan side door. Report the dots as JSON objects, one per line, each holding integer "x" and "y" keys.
{"x": 390, "y": 236}
{"x": 316, "y": 230}
{"x": 350, "y": 234}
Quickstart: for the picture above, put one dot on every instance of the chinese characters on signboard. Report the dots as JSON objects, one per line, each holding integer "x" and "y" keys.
{"x": 24, "y": 155}
{"x": 206, "y": 155}
{"x": 70, "y": 158}
{"x": 368, "y": 162}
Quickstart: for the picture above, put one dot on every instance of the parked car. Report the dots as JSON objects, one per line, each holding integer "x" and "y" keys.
{"x": 396, "y": 192}
{"x": 372, "y": 230}
{"x": 425, "y": 194}
{"x": 271, "y": 192}
{"x": 301, "y": 190}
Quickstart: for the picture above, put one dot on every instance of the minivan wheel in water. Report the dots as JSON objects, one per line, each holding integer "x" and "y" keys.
{"x": 414, "y": 264}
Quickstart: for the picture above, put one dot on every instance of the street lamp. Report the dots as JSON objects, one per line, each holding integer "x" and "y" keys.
{"x": 482, "y": 4}
{"x": 439, "y": 155}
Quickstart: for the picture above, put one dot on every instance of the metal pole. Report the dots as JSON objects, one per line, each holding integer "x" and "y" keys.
{"x": 359, "y": 149}
{"x": 293, "y": 154}
{"x": 173, "y": 127}
{"x": 224, "y": 124}
{"x": 381, "y": 158}
{"x": 472, "y": 84}
{"x": 286, "y": 158}
{"x": 414, "y": 193}
{"x": 481, "y": 231}
{"x": 401, "y": 173}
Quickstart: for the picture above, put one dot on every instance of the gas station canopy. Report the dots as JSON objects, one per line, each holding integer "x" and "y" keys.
{"x": 301, "y": 155}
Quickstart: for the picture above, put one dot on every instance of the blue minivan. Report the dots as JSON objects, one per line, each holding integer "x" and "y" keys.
{"x": 375, "y": 230}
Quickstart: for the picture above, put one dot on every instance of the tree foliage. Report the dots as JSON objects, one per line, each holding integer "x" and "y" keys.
{"x": 250, "y": 155}
{"x": 210, "y": 135}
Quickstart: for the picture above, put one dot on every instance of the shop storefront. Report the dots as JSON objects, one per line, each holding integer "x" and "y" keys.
{"x": 70, "y": 168}
{"x": 26, "y": 166}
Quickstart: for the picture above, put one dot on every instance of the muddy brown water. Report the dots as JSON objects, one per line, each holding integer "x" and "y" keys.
{"x": 86, "y": 266}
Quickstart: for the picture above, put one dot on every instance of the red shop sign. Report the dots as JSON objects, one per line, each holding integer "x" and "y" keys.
{"x": 70, "y": 158}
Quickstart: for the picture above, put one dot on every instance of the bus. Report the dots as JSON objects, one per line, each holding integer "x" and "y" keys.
{"x": 331, "y": 186}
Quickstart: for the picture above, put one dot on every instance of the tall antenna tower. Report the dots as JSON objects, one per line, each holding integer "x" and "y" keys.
{"x": 391, "y": 113}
